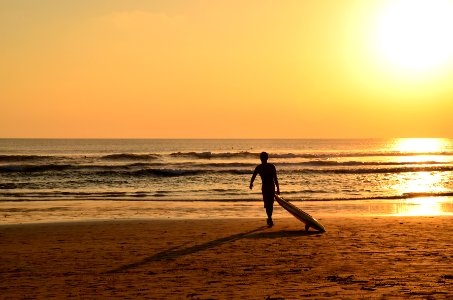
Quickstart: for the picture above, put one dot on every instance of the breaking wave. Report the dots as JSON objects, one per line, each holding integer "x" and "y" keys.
{"x": 167, "y": 172}
{"x": 209, "y": 155}
{"x": 321, "y": 155}
{"x": 188, "y": 169}
{"x": 33, "y": 168}
{"x": 22, "y": 158}
{"x": 380, "y": 170}
{"x": 130, "y": 156}
{"x": 157, "y": 196}
{"x": 317, "y": 158}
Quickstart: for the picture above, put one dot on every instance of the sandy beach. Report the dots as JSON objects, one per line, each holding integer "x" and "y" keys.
{"x": 358, "y": 257}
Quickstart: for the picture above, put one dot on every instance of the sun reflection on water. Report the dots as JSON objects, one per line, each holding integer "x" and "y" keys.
{"x": 421, "y": 145}
{"x": 421, "y": 182}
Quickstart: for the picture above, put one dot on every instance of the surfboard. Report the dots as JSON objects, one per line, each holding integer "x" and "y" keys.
{"x": 308, "y": 220}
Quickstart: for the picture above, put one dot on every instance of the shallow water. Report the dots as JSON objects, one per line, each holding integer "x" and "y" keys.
{"x": 209, "y": 178}
{"x": 58, "y": 211}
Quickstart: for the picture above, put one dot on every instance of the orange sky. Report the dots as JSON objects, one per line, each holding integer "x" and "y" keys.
{"x": 225, "y": 69}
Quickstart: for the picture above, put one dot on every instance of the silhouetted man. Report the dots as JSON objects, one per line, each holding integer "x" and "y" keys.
{"x": 269, "y": 180}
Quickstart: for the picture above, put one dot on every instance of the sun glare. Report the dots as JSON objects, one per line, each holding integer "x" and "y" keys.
{"x": 421, "y": 145}
{"x": 421, "y": 183}
{"x": 425, "y": 206}
{"x": 416, "y": 34}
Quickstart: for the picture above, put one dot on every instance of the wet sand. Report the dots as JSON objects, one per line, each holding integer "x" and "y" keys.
{"x": 358, "y": 257}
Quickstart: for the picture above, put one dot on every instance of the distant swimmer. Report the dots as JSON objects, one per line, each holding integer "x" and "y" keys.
{"x": 269, "y": 180}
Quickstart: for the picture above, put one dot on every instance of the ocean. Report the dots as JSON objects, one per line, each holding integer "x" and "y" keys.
{"x": 51, "y": 179}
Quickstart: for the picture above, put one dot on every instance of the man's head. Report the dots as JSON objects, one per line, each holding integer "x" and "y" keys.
{"x": 264, "y": 157}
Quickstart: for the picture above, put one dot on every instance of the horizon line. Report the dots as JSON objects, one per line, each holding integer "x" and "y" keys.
{"x": 215, "y": 138}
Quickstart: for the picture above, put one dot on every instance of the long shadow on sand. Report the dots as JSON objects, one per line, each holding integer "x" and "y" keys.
{"x": 281, "y": 234}
{"x": 175, "y": 252}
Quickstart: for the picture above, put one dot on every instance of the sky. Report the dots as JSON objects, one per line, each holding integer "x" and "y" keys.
{"x": 226, "y": 69}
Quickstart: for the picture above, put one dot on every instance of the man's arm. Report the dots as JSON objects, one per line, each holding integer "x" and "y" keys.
{"x": 253, "y": 177}
{"x": 276, "y": 181}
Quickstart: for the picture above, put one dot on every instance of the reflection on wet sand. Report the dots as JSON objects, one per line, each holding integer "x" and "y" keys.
{"x": 425, "y": 206}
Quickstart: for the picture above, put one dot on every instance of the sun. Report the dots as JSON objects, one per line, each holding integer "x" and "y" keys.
{"x": 416, "y": 34}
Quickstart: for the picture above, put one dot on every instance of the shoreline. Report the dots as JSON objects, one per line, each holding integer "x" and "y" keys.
{"x": 358, "y": 257}
{"x": 72, "y": 211}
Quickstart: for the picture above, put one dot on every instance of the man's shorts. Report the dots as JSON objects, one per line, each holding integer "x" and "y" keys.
{"x": 268, "y": 198}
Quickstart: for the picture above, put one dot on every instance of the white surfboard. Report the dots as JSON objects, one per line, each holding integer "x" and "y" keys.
{"x": 308, "y": 220}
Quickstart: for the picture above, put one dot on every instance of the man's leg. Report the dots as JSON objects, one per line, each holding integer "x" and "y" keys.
{"x": 269, "y": 205}
{"x": 269, "y": 209}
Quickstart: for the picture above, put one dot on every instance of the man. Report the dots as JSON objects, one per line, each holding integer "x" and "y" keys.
{"x": 269, "y": 180}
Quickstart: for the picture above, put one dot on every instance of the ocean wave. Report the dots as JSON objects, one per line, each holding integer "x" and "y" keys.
{"x": 380, "y": 170}
{"x": 159, "y": 196}
{"x": 315, "y": 155}
{"x": 427, "y": 194}
{"x": 184, "y": 170}
{"x": 314, "y": 163}
{"x": 33, "y": 168}
{"x": 22, "y": 158}
{"x": 386, "y": 197}
{"x": 86, "y": 168}
{"x": 168, "y": 172}
{"x": 236, "y": 172}
{"x": 189, "y": 172}
{"x": 203, "y": 160}
{"x": 241, "y": 154}
{"x": 226, "y": 165}
{"x": 357, "y": 163}
{"x": 340, "y": 154}
{"x": 43, "y": 196}
{"x": 8, "y": 186}
{"x": 209, "y": 155}
{"x": 130, "y": 156}
{"x": 172, "y": 168}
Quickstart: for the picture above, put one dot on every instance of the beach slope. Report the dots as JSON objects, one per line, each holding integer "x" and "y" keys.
{"x": 358, "y": 257}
